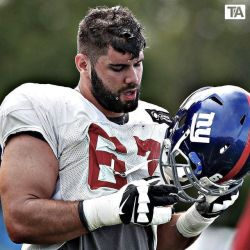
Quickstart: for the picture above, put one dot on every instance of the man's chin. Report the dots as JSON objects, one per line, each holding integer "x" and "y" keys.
{"x": 130, "y": 106}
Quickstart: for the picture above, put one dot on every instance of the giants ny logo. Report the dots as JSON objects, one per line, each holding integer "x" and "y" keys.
{"x": 201, "y": 127}
{"x": 235, "y": 11}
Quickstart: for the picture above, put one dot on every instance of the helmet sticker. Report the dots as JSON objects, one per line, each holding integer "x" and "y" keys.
{"x": 201, "y": 127}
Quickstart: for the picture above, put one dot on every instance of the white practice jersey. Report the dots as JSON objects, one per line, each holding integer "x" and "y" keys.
{"x": 96, "y": 156}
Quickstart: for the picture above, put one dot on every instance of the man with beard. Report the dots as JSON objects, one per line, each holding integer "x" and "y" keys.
{"x": 80, "y": 166}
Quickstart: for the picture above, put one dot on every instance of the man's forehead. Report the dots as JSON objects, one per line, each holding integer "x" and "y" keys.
{"x": 115, "y": 56}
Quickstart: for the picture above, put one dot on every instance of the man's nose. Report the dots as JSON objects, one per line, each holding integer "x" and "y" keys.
{"x": 132, "y": 75}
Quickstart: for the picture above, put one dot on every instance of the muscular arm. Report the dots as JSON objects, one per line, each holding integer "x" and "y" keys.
{"x": 169, "y": 238}
{"x": 29, "y": 172}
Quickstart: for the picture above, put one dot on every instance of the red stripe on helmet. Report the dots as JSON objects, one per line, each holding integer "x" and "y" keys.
{"x": 240, "y": 163}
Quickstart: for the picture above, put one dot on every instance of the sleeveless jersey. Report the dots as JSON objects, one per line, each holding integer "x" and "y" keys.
{"x": 96, "y": 156}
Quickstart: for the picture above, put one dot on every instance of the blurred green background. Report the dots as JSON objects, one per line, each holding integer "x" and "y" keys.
{"x": 190, "y": 45}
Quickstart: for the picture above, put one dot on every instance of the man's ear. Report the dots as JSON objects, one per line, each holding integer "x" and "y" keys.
{"x": 82, "y": 63}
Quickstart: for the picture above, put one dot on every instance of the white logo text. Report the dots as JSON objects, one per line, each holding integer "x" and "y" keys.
{"x": 235, "y": 11}
{"x": 201, "y": 127}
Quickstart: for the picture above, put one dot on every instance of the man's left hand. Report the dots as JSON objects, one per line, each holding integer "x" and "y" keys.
{"x": 213, "y": 206}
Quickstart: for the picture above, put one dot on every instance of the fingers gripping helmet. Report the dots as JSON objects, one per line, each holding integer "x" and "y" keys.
{"x": 208, "y": 147}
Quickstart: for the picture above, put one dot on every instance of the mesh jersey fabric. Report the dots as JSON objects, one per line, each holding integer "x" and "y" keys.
{"x": 88, "y": 146}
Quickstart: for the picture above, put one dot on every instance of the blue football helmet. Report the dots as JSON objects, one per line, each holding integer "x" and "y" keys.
{"x": 209, "y": 144}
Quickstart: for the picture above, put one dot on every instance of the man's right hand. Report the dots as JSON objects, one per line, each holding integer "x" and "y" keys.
{"x": 140, "y": 202}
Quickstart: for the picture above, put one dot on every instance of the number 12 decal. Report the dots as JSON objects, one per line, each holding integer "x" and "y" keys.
{"x": 99, "y": 157}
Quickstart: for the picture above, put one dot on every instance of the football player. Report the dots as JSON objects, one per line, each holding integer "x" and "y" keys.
{"x": 80, "y": 166}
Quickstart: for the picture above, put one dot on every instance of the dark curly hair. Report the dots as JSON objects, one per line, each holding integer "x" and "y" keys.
{"x": 103, "y": 27}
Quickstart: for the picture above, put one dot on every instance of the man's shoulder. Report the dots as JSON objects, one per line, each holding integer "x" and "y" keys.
{"x": 45, "y": 100}
{"x": 42, "y": 90}
{"x": 34, "y": 94}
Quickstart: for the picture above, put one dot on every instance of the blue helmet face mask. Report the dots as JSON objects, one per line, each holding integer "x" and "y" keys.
{"x": 207, "y": 152}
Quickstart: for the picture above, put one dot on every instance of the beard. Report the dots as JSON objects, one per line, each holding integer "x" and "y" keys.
{"x": 109, "y": 100}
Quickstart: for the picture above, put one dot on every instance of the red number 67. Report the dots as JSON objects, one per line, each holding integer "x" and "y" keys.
{"x": 99, "y": 157}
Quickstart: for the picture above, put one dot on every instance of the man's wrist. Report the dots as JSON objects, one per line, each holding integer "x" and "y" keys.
{"x": 82, "y": 215}
{"x": 101, "y": 211}
{"x": 192, "y": 223}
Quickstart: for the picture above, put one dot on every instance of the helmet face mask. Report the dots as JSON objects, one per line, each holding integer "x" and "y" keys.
{"x": 206, "y": 152}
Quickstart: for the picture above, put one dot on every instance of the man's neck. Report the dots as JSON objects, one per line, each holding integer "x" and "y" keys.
{"x": 121, "y": 120}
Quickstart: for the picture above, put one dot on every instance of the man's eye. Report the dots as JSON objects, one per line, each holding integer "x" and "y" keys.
{"x": 138, "y": 64}
{"x": 117, "y": 68}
